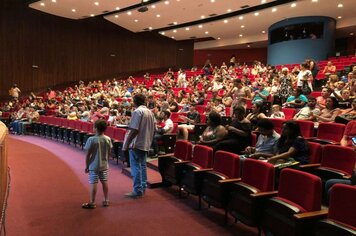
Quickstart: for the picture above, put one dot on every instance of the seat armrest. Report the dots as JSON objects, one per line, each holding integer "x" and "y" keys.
{"x": 324, "y": 141}
{"x": 181, "y": 162}
{"x": 168, "y": 155}
{"x": 203, "y": 170}
{"x": 233, "y": 180}
{"x": 310, "y": 166}
{"x": 264, "y": 194}
{"x": 313, "y": 215}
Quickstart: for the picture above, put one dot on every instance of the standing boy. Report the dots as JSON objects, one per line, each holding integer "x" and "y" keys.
{"x": 98, "y": 151}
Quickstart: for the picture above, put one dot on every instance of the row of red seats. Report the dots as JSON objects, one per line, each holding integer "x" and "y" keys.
{"x": 251, "y": 198}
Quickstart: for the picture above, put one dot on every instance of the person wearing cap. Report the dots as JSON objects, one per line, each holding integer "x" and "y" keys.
{"x": 261, "y": 94}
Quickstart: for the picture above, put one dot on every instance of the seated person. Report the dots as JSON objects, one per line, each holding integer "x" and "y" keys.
{"x": 306, "y": 113}
{"x": 167, "y": 128}
{"x": 238, "y": 133}
{"x": 321, "y": 100}
{"x": 298, "y": 100}
{"x": 256, "y": 114}
{"x": 348, "y": 114}
{"x": 214, "y": 131}
{"x": 276, "y": 112}
{"x": 350, "y": 131}
{"x": 192, "y": 118}
{"x": 329, "y": 69}
{"x": 266, "y": 145}
{"x": 291, "y": 145}
{"x": 330, "y": 112}
{"x": 261, "y": 94}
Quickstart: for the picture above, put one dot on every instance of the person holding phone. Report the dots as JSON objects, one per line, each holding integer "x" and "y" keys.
{"x": 349, "y": 134}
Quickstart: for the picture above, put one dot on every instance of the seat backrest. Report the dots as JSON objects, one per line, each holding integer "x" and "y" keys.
{"x": 183, "y": 150}
{"x": 203, "y": 156}
{"x": 306, "y": 128}
{"x": 253, "y": 139}
{"x": 289, "y": 113}
{"x": 342, "y": 204}
{"x": 331, "y": 131}
{"x": 90, "y": 128}
{"x": 71, "y": 124}
{"x": 110, "y": 131}
{"x": 258, "y": 174}
{"x": 278, "y": 123}
{"x": 315, "y": 152}
{"x": 301, "y": 188}
{"x": 78, "y": 125}
{"x": 338, "y": 157}
{"x": 65, "y": 122}
{"x": 227, "y": 163}
{"x": 120, "y": 134}
{"x": 203, "y": 119}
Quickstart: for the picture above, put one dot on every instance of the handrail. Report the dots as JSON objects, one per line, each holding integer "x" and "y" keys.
{"x": 3, "y": 172}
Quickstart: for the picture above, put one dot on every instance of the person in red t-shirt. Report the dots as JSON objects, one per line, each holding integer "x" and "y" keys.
{"x": 350, "y": 131}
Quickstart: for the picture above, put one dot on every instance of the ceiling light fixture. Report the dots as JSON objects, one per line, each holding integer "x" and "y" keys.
{"x": 241, "y": 17}
{"x": 226, "y": 21}
{"x": 163, "y": 33}
{"x": 202, "y": 17}
{"x": 96, "y": 3}
{"x": 175, "y": 23}
{"x": 42, "y": 4}
{"x": 129, "y": 13}
{"x": 263, "y": 32}
{"x": 314, "y": 0}
{"x": 158, "y": 15}
{"x": 228, "y": 10}
{"x": 293, "y": 5}
{"x": 153, "y": 6}
{"x": 212, "y": 1}
{"x": 92, "y": 15}
{"x": 116, "y": 16}
{"x": 187, "y": 28}
{"x": 242, "y": 26}
{"x": 136, "y": 20}
{"x": 263, "y": 1}
{"x": 339, "y": 17}
{"x": 172, "y": 37}
{"x": 166, "y": 2}
{"x": 200, "y": 26}
{"x": 219, "y": 38}
{"x": 150, "y": 28}
{"x": 240, "y": 35}
{"x": 351, "y": 33}
{"x": 174, "y": 31}
{"x": 206, "y": 32}
{"x": 73, "y": 10}
{"x": 340, "y": 5}
{"x": 54, "y": 0}
{"x": 256, "y": 13}
{"x": 274, "y": 9}
{"x": 117, "y": 8}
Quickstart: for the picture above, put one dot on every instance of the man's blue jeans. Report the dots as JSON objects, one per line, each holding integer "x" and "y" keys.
{"x": 138, "y": 170}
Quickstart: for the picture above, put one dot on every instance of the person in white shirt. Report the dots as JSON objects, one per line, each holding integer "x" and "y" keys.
{"x": 308, "y": 112}
{"x": 167, "y": 128}
{"x": 305, "y": 75}
{"x": 276, "y": 112}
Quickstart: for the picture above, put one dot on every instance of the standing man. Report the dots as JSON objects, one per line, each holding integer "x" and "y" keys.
{"x": 14, "y": 92}
{"x": 138, "y": 141}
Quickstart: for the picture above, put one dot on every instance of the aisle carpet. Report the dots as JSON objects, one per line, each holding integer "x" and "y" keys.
{"x": 48, "y": 186}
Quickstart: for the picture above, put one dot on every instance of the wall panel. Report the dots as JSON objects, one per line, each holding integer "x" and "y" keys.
{"x": 70, "y": 50}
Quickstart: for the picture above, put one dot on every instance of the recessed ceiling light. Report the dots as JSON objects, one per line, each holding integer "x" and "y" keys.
{"x": 150, "y": 28}
{"x": 163, "y": 33}
{"x": 96, "y": 3}
{"x": 175, "y": 23}
{"x": 240, "y": 35}
{"x": 206, "y": 32}
{"x": 202, "y": 17}
{"x": 226, "y": 21}
{"x": 219, "y": 38}
{"x": 116, "y": 16}
{"x": 166, "y": 2}
{"x": 145, "y": 0}
{"x": 172, "y": 37}
{"x": 73, "y": 10}
{"x": 248, "y": 45}
{"x": 92, "y": 15}
{"x": 174, "y": 31}
{"x": 314, "y": 0}
{"x": 200, "y": 26}
{"x": 129, "y": 13}
{"x": 117, "y": 8}
{"x": 212, "y": 1}
{"x": 274, "y": 9}
{"x": 158, "y": 15}
{"x": 293, "y": 5}
{"x": 136, "y": 20}
{"x": 241, "y": 17}
{"x": 263, "y": 1}
{"x": 187, "y": 28}
{"x": 228, "y": 10}
{"x": 242, "y": 26}
{"x": 256, "y": 13}
{"x": 54, "y": 0}
{"x": 351, "y": 33}
{"x": 339, "y": 17}
{"x": 263, "y": 32}
{"x": 153, "y": 6}
{"x": 42, "y": 4}
{"x": 340, "y": 5}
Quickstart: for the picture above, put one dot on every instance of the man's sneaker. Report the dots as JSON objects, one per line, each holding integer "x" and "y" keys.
{"x": 133, "y": 195}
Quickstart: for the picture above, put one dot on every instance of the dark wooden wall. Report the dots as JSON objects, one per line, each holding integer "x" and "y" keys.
{"x": 70, "y": 50}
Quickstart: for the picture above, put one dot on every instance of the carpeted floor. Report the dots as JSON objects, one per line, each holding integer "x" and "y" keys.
{"x": 49, "y": 185}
